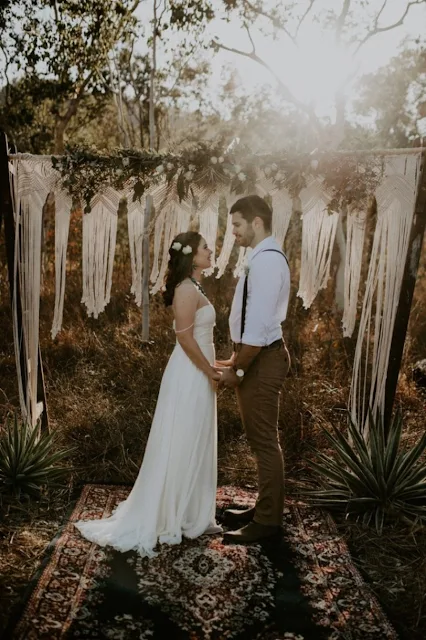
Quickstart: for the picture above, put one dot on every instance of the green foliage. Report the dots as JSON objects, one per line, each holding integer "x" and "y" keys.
{"x": 395, "y": 97}
{"x": 373, "y": 480}
{"x": 28, "y": 459}
{"x": 209, "y": 165}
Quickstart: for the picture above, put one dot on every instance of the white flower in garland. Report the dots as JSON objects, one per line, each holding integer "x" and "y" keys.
{"x": 177, "y": 246}
{"x": 169, "y": 166}
{"x": 213, "y": 160}
{"x": 125, "y": 161}
{"x": 189, "y": 175}
{"x": 160, "y": 168}
{"x": 186, "y": 250}
{"x": 192, "y": 167}
{"x": 237, "y": 168}
{"x": 242, "y": 176}
{"x": 221, "y": 159}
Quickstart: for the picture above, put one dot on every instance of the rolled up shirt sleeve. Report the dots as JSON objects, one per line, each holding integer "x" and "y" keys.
{"x": 267, "y": 299}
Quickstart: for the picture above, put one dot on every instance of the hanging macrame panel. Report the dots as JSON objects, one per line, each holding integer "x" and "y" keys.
{"x": 170, "y": 225}
{"x": 99, "y": 240}
{"x": 209, "y": 224}
{"x": 33, "y": 179}
{"x": 318, "y": 233}
{"x": 228, "y": 240}
{"x": 135, "y": 222}
{"x": 396, "y": 197}
{"x": 63, "y": 206}
{"x": 355, "y": 234}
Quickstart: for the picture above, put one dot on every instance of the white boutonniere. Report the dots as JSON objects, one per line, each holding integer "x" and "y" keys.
{"x": 247, "y": 269}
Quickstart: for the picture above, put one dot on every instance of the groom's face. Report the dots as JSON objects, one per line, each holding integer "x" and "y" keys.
{"x": 242, "y": 230}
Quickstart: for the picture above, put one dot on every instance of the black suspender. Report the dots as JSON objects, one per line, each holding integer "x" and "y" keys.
{"x": 245, "y": 291}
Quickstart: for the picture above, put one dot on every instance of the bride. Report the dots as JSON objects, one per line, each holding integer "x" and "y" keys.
{"x": 175, "y": 492}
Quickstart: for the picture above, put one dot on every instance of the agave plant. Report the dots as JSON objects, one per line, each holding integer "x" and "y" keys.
{"x": 373, "y": 480}
{"x": 28, "y": 460}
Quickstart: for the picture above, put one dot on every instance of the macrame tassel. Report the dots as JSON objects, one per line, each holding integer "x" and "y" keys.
{"x": 62, "y": 224}
{"x": 158, "y": 236}
{"x": 241, "y": 262}
{"x": 396, "y": 197}
{"x": 318, "y": 232}
{"x": 355, "y": 231}
{"x": 135, "y": 219}
{"x": 282, "y": 206}
{"x": 169, "y": 234}
{"x": 209, "y": 220}
{"x": 28, "y": 246}
{"x": 228, "y": 241}
{"x": 99, "y": 238}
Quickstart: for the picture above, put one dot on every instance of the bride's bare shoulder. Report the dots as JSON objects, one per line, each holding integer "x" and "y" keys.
{"x": 185, "y": 291}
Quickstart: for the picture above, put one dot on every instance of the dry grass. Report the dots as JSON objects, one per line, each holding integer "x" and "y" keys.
{"x": 102, "y": 384}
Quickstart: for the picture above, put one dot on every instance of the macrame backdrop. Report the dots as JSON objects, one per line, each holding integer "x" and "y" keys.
{"x": 33, "y": 178}
{"x": 318, "y": 232}
{"x": 396, "y": 197}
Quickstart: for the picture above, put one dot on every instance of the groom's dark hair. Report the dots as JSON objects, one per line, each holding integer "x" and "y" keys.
{"x": 252, "y": 207}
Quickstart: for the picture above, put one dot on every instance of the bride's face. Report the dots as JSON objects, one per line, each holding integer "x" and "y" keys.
{"x": 203, "y": 257}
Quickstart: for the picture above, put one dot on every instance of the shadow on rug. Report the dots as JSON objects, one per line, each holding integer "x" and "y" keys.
{"x": 304, "y": 587}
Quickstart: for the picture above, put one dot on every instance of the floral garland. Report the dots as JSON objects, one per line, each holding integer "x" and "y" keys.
{"x": 85, "y": 172}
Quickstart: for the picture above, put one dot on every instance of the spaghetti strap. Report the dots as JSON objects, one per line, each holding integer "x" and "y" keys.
{"x": 182, "y": 330}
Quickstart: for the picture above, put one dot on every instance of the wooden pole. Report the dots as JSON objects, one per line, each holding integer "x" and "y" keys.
{"x": 406, "y": 295}
{"x": 145, "y": 269}
{"x": 149, "y": 200}
{"x": 9, "y": 231}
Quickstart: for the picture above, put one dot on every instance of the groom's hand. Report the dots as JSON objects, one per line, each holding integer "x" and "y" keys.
{"x": 229, "y": 378}
{"x": 225, "y": 363}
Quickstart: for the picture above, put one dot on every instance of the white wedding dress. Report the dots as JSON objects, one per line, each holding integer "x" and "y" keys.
{"x": 175, "y": 492}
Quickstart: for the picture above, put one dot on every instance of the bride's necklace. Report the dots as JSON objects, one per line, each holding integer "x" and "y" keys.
{"x": 198, "y": 285}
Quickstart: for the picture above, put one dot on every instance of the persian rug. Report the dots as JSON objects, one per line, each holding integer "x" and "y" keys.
{"x": 303, "y": 587}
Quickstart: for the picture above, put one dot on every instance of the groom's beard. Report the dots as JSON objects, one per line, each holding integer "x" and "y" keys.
{"x": 246, "y": 239}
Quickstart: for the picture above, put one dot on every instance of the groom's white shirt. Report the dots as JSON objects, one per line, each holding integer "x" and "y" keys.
{"x": 267, "y": 297}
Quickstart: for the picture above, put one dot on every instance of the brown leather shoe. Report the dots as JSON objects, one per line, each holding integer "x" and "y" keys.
{"x": 236, "y": 517}
{"x": 252, "y": 533}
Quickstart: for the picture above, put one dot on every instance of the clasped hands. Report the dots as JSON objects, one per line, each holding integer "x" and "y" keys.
{"x": 226, "y": 374}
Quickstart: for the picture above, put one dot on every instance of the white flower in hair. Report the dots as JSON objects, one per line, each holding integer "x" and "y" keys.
{"x": 177, "y": 246}
{"x": 186, "y": 250}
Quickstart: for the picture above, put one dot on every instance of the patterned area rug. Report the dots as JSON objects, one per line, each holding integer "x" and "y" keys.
{"x": 304, "y": 587}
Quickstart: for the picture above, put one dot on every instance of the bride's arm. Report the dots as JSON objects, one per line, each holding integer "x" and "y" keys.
{"x": 185, "y": 307}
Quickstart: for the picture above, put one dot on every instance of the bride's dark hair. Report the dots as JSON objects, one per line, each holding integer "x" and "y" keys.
{"x": 180, "y": 264}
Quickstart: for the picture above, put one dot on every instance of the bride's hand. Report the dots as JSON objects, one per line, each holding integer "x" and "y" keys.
{"x": 215, "y": 376}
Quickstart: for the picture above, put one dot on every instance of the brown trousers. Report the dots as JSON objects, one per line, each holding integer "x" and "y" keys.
{"x": 258, "y": 401}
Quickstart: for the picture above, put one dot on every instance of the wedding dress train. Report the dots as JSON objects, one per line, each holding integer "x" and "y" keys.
{"x": 175, "y": 492}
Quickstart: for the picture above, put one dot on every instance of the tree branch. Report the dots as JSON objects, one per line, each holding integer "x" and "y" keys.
{"x": 287, "y": 94}
{"x": 278, "y": 24}
{"x": 342, "y": 19}
{"x": 376, "y": 29}
{"x": 302, "y": 19}
{"x": 251, "y": 39}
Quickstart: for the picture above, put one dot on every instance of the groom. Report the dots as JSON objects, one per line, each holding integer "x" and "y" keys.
{"x": 259, "y": 364}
